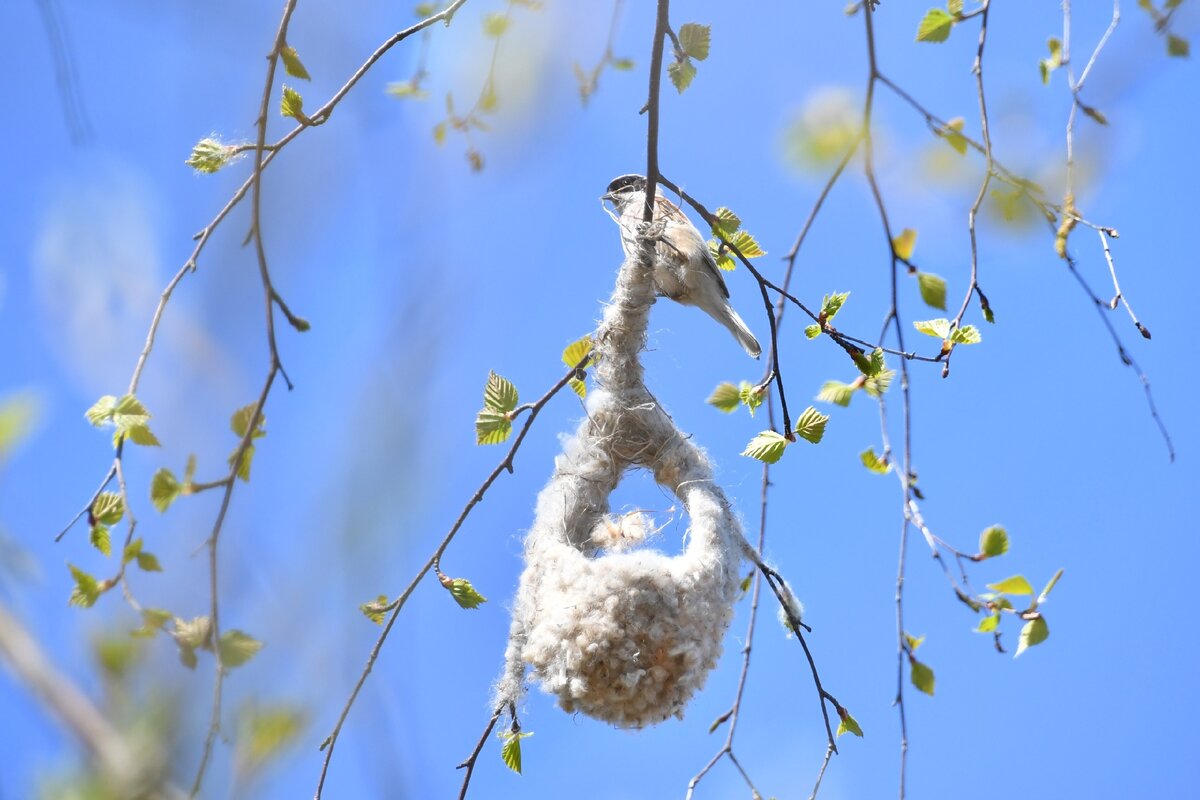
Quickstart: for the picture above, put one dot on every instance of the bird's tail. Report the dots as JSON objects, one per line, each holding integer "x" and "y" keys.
{"x": 741, "y": 332}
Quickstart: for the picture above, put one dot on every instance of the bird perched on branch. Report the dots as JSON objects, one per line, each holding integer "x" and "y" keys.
{"x": 684, "y": 269}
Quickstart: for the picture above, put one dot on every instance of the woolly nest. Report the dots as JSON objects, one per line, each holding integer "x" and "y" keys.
{"x": 625, "y": 636}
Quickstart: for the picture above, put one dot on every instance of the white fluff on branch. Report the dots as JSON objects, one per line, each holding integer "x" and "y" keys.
{"x": 623, "y": 635}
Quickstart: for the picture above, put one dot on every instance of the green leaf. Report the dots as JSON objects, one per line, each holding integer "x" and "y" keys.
{"x": 955, "y": 7}
{"x": 904, "y": 244}
{"x": 86, "y": 590}
{"x": 1049, "y": 586}
{"x": 1014, "y": 585}
{"x": 751, "y": 396}
{"x": 725, "y": 397}
{"x": 1095, "y": 114}
{"x": 579, "y": 387}
{"x": 922, "y": 676}
{"x": 292, "y": 64}
{"x": 406, "y": 89}
{"x": 463, "y": 592}
{"x": 848, "y": 724}
{"x": 375, "y": 610}
{"x": 424, "y": 10}
{"x": 913, "y": 642}
{"x": 102, "y": 411}
{"x": 933, "y": 289}
{"x": 873, "y": 462}
{"x": 265, "y": 733}
{"x": 993, "y": 541}
{"x": 746, "y": 244}
{"x": 988, "y": 624}
{"x": 108, "y": 508}
{"x": 811, "y": 425}
{"x": 767, "y": 447}
{"x": 575, "y": 352}
{"x": 148, "y": 562}
{"x": 1178, "y": 46}
{"x": 681, "y": 73}
{"x": 836, "y": 392}
{"x": 872, "y": 365}
{"x": 237, "y": 647}
{"x": 935, "y": 26}
{"x": 164, "y": 489}
{"x": 1048, "y": 65}
{"x": 491, "y": 427}
{"x": 494, "y": 25}
{"x": 877, "y": 384}
{"x": 812, "y": 331}
{"x": 727, "y": 223}
{"x": 952, "y": 133}
{"x": 130, "y": 418}
{"x": 131, "y": 550}
{"x": 239, "y": 423}
{"x": 243, "y": 467}
{"x": 153, "y": 620}
{"x": 191, "y": 634}
{"x": 101, "y": 539}
{"x": 292, "y": 104}
{"x": 623, "y": 64}
{"x": 511, "y": 751}
{"x": 939, "y": 328}
{"x": 967, "y": 334}
{"x": 695, "y": 39}
{"x": 1035, "y": 632}
{"x": 141, "y": 434}
{"x": 499, "y": 394}
{"x": 208, "y": 156}
{"x": 746, "y": 581}
{"x": 831, "y": 304}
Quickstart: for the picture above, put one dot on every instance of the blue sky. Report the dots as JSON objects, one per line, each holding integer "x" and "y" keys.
{"x": 419, "y": 276}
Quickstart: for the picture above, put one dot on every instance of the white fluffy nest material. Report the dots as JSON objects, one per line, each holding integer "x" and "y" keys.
{"x": 625, "y": 636}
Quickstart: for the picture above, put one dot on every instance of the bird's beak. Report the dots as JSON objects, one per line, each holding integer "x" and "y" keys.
{"x": 607, "y": 196}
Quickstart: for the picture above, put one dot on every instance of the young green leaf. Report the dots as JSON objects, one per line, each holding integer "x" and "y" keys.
{"x": 811, "y": 425}
{"x": 935, "y": 26}
{"x": 1178, "y": 46}
{"x": 939, "y": 328}
{"x": 993, "y": 541}
{"x": 148, "y": 562}
{"x": 812, "y": 331}
{"x": 727, "y": 222}
{"x": 622, "y": 64}
{"x": 239, "y": 423}
{"x": 848, "y": 724}
{"x": 1034, "y": 632}
{"x": 767, "y": 447}
{"x": 153, "y": 620}
{"x": 967, "y": 334}
{"x": 746, "y": 244}
{"x": 209, "y": 155}
{"x": 877, "y": 384}
{"x": 499, "y": 394}
{"x": 130, "y": 418}
{"x": 491, "y": 427}
{"x": 836, "y": 392}
{"x": 913, "y": 642}
{"x": 955, "y": 7}
{"x": 292, "y": 104}
{"x": 751, "y": 396}
{"x": 87, "y": 589}
{"x": 873, "y": 462}
{"x": 681, "y": 73}
{"x": 375, "y": 610}
{"x": 102, "y": 410}
{"x": 872, "y": 365}
{"x": 695, "y": 40}
{"x": 1094, "y": 113}
{"x": 988, "y": 624}
{"x": 922, "y": 676}
{"x": 292, "y": 64}
{"x": 904, "y": 244}
{"x": 463, "y": 592}
{"x": 108, "y": 508}
{"x": 406, "y": 89}
{"x": 725, "y": 397}
{"x": 164, "y": 489}
{"x": 237, "y": 647}
{"x": 101, "y": 539}
{"x": 1014, "y": 585}
{"x": 576, "y": 350}
{"x": 243, "y": 466}
{"x": 511, "y": 751}
{"x": 189, "y": 469}
{"x": 831, "y": 304}
{"x": 1049, "y": 586}
{"x": 933, "y": 289}
{"x": 1048, "y": 65}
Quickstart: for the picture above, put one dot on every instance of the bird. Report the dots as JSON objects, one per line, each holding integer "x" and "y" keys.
{"x": 684, "y": 269}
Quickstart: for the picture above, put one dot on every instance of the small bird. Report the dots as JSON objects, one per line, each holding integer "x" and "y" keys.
{"x": 684, "y": 269}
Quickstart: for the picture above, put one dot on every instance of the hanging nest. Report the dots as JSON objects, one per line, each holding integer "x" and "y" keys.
{"x": 626, "y": 636}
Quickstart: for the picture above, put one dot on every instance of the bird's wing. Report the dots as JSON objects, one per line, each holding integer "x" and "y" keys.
{"x": 670, "y": 209}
